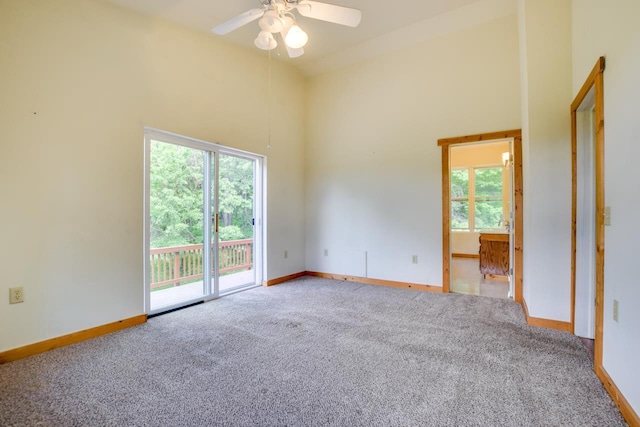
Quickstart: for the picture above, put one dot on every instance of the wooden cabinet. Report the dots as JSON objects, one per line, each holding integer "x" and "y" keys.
{"x": 494, "y": 253}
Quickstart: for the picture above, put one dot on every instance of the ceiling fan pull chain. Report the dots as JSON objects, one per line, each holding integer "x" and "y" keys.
{"x": 269, "y": 104}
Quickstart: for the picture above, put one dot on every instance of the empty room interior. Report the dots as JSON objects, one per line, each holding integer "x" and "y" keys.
{"x": 410, "y": 213}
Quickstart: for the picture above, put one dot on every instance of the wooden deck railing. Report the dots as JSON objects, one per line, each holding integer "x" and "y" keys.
{"x": 179, "y": 264}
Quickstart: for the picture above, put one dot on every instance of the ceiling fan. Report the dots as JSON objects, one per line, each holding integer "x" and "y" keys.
{"x": 276, "y": 17}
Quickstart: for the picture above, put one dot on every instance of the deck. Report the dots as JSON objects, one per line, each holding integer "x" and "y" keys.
{"x": 175, "y": 295}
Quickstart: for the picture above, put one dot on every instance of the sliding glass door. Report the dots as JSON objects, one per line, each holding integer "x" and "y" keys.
{"x": 201, "y": 218}
{"x": 176, "y": 219}
{"x": 236, "y": 218}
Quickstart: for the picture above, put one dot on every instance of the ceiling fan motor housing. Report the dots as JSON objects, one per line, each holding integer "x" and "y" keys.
{"x": 273, "y": 2}
{"x": 270, "y": 2}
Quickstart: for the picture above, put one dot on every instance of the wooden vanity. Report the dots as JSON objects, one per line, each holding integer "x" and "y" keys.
{"x": 494, "y": 254}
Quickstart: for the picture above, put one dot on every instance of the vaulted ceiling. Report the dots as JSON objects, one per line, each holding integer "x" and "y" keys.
{"x": 326, "y": 40}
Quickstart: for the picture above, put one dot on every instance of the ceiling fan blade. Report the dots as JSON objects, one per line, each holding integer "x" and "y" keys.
{"x": 330, "y": 13}
{"x": 238, "y": 21}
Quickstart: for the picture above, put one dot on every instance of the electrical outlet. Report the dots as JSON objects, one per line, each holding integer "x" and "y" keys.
{"x": 16, "y": 295}
{"x": 615, "y": 309}
{"x": 326, "y": 252}
{"x": 286, "y": 254}
{"x": 414, "y": 259}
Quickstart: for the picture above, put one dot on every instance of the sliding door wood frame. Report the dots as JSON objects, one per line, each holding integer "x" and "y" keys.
{"x": 594, "y": 81}
{"x": 446, "y": 143}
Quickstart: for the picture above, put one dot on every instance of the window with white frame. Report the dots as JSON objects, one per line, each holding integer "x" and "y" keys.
{"x": 476, "y": 198}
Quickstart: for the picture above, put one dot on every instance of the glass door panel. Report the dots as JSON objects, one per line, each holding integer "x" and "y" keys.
{"x": 177, "y": 228}
{"x": 236, "y": 217}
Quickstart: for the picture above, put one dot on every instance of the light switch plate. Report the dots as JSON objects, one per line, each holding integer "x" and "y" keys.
{"x": 607, "y": 215}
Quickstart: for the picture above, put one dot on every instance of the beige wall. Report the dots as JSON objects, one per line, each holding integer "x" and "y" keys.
{"x": 611, "y": 29}
{"x": 373, "y": 166}
{"x": 545, "y": 27}
{"x": 80, "y": 80}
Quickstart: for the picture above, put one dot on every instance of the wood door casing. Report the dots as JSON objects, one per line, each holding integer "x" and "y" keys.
{"x": 446, "y": 143}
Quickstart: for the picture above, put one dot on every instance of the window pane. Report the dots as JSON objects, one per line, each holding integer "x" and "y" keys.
{"x": 488, "y": 214}
{"x": 488, "y": 182}
{"x": 176, "y": 177}
{"x": 459, "y": 215}
{"x": 459, "y": 183}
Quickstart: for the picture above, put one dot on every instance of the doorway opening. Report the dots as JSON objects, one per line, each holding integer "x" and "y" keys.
{"x": 203, "y": 221}
{"x": 481, "y": 215}
{"x": 482, "y": 225}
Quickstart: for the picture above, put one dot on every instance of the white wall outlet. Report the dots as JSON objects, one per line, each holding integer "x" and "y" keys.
{"x": 414, "y": 259}
{"x": 607, "y": 215}
{"x": 615, "y": 309}
{"x": 326, "y": 252}
{"x": 286, "y": 254}
{"x": 16, "y": 295}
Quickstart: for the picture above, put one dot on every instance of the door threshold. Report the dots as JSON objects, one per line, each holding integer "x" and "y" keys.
{"x": 171, "y": 310}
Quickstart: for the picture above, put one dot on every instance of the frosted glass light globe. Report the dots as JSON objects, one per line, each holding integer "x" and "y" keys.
{"x": 265, "y": 41}
{"x": 296, "y": 38}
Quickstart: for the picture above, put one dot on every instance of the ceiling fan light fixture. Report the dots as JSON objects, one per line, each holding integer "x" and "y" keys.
{"x": 296, "y": 38}
{"x": 271, "y": 22}
{"x": 265, "y": 41}
{"x": 276, "y": 16}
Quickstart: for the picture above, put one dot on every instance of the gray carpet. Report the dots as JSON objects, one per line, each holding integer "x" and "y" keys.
{"x": 316, "y": 352}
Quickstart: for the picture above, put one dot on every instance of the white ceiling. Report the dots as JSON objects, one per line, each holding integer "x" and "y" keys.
{"x": 379, "y": 18}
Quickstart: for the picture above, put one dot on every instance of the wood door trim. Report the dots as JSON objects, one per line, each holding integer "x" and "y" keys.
{"x": 481, "y": 137}
{"x": 596, "y": 81}
{"x": 446, "y": 220}
{"x": 446, "y": 143}
{"x": 518, "y": 187}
